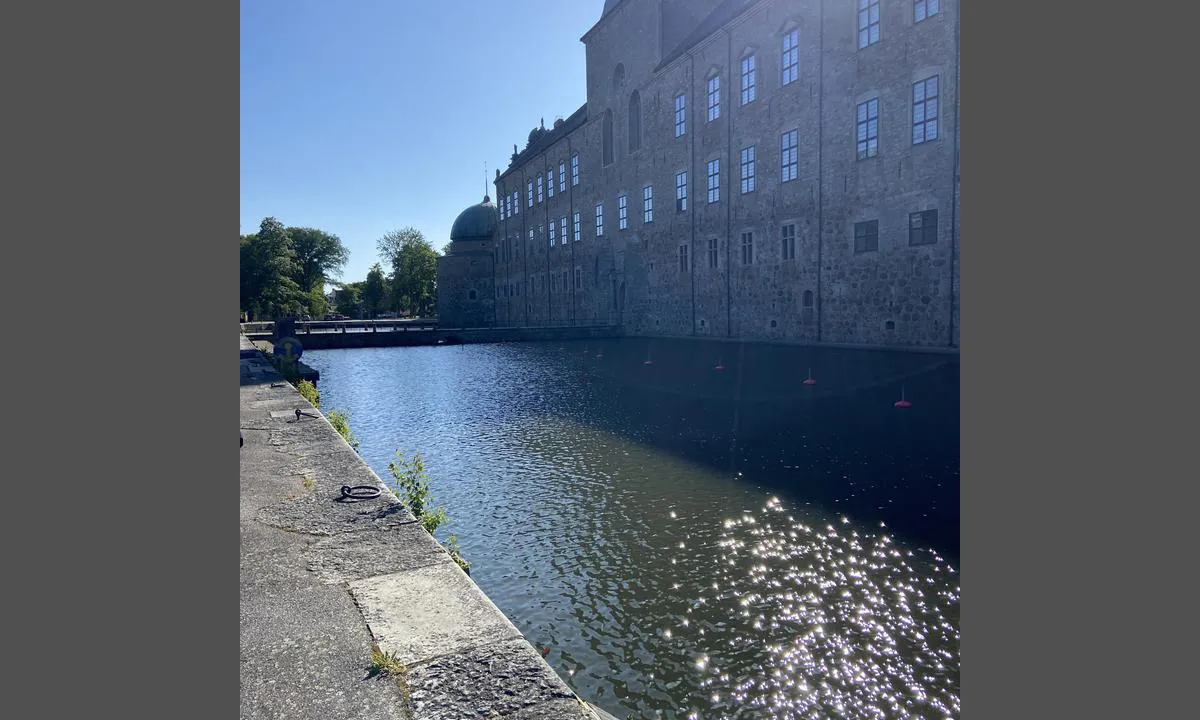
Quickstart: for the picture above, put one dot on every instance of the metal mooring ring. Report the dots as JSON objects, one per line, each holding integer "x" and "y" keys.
{"x": 360, "y": 492}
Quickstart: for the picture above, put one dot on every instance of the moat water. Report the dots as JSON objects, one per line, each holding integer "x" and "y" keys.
{"x": 687, "y": 542}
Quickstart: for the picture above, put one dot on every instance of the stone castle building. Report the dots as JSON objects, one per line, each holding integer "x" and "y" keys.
{"x": 758, "y": 169}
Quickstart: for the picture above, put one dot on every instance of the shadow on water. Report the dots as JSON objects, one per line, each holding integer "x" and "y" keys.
{"x": 692, "y": 542}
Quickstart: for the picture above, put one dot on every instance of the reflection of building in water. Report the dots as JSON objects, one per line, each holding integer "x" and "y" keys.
{"x": 763, "y": 169}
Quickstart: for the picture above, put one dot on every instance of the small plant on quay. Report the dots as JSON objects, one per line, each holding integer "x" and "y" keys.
{"x": 412, "y": 488}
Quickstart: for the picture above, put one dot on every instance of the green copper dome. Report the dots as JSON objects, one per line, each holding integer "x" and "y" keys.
{"x": 477, "y": 222}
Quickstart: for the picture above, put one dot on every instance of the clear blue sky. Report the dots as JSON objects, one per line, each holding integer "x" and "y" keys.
{"x": 366, "y": 116}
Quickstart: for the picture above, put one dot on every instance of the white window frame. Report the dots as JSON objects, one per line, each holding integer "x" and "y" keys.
{"x": 681, "y": 191}
{"x": 924, "y": 9}
{"x": 622, "y": 212}
{"x": 681, "y": 115}
{"x": 868, "y": 23}
{"x": 863, "y": 136}
{"x": 749, "y": 171}
{"x": 789, "y": 164}
{"x": 647, "y": 204}
{"x": 575, "y": 169}
{"x": 599, "y": 219}
{"x": 749, "y": 79}
{"x": 713, "y": 175}
{"x": 714, "y": 97}
{"x": 790, "y": 57}
{"x": 578, "y": 230}
{"x": 925, "y": 110}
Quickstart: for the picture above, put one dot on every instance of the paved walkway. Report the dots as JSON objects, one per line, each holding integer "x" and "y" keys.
{"x": 322, "y": 579}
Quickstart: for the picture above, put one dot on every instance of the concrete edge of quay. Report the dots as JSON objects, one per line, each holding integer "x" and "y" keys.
{"x": 324, "y": 579}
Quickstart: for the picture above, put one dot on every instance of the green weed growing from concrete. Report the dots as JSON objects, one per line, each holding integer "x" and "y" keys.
{"x": 385, "y": 663}
{"x": 341, "y": 422}
{"x": 310, "y": 392}
{"x": 411, "y": 486}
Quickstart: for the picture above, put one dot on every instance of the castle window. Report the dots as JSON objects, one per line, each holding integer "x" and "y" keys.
{"x": 648, "y": 204}
{"x": 868, "y": 22}
{"x": 714, "y": 97}
{"x": 808, "y": 298}
{"x": 562, "y": 225}
{"x": 791, "y": 57}
{"x": 787, "y": 159}
{"x": 747, "y": 248}
{"x": 622, "y": 213}
{"x": 530, "y": 193}
{"x": 550, "y": 182}
{"x": 788, "y": 247}
{"x": 749, "y": 82}
{"x": 922, "y": 227}
{"x": 576, "y": 226}
{"x": 578, "y": 278}
{"x": 681, "y": 191}
{"x": 748, "y": 171}
{"x": 680, "y": 115}
{"x": 599, "y": 219}
{"x": 683, "y": 258}
{"x": 618, "y": 75}
{"x": 516, "y": 203}
{"x": 923, "y": 9}
{"x": 539, "y": 189}
{"x": 635, "y": 121}
{"x": 714, "y": 181}
{"x": 574, "y": 170}
{"x": 608, "y": 137}
{"x": 866, "y": 236}
{"x": 551, "y": 234}
{"x": 925, "y": 110}
{"x": 867, "y": 129}
{"x": 562, "y": 177}
{"x": 712, "y": 252}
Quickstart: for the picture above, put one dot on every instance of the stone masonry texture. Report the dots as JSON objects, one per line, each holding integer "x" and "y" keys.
{"x": 736, "y": 280}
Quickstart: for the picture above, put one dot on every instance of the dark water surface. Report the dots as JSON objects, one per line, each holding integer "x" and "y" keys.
{"x": 692, "y": 543}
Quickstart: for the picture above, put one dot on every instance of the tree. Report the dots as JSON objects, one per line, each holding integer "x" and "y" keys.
{"x": 348, "y": 299}
{"x": 268, "y": 268}
{"x": 375, "y": 291}
{"x": 414, "y": 269}
{"x": 320, "y": 257}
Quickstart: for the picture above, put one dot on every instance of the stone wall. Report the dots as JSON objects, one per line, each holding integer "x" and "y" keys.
{"x": 898, "y": 294}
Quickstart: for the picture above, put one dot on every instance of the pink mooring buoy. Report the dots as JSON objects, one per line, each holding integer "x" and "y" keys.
{"x": 720, "y": 366}
{"x": 902, "y": 403}
{"x": 648, "y": 361}
{"x": 810, "y": 380}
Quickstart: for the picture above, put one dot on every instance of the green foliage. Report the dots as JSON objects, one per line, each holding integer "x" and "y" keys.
{"x": 375, "y": 291}
{"x": 411, "y": 485}
{"x": 414, "y": 270}
{"x": 348, "y": 299}
{"x": 320, "y": 256}
{"x": 284, "y": 270}
{"x": 385, "y": 663}
{"x": 310, "y": 392}
{"x": 341, "y": 422}
{"x": 455, "y": 555}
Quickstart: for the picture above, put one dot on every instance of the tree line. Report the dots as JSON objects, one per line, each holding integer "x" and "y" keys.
{"x": 284, "y": 271}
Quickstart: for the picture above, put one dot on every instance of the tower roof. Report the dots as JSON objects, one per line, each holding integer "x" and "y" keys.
{"x": 476, "y": 222}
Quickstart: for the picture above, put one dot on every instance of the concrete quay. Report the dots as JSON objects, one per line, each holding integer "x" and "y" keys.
{"x": 323, "y": 578}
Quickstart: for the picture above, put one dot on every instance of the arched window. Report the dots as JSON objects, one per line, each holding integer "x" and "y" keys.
{"x": 608, "y": 137}
{"x": 618, "y": 76}
{"x": 635, "y": 121}
{"x": 808, "y": 298}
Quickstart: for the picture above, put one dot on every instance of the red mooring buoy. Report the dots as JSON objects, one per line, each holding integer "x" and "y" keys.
{"x": 720, "y": 366}
{"x": 902, "y": 403}
{"x": 810, "y": 380}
